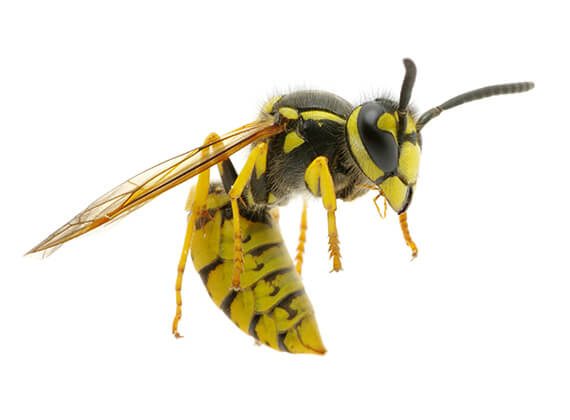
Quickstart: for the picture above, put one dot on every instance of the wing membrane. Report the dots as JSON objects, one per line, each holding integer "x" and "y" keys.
{"x": 145, "y": 186}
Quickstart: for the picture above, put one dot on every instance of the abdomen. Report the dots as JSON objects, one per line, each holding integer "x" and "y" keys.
{"x": 272, "y": 306}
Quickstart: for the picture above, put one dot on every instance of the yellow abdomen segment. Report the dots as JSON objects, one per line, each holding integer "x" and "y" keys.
{"x": 272, "y": 305}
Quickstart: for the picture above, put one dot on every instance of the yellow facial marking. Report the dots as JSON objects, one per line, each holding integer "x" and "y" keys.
{"x": 409, "y": 162}
{"x": 358, "y": 150}
{"x": 395, "y": 192}
{"x": 411, "y": 126}
{"x": 292, "y": 141}
{"x": 322, "y": 115}
{"x": 387, "y": 122}
{"x": 289, "y": 113}
{"x": 271, "y": 198}
{"x": 268, "y": 106}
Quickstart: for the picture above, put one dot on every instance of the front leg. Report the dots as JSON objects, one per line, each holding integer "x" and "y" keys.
{"x": 318, "y": 180}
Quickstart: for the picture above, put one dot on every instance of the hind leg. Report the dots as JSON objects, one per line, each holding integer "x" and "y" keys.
{"x": 196, "y": 205}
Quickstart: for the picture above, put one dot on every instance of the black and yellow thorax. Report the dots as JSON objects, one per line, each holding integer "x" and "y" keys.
{"x": 323, "y": 124}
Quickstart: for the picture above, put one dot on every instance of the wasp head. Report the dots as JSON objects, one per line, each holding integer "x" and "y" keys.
{"x": 385, "y": 144}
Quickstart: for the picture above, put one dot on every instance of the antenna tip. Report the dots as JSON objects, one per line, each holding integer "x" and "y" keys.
{"x": 409, "y": 63}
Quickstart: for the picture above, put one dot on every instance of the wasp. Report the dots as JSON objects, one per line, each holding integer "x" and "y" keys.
{"x": 304, "y": 141}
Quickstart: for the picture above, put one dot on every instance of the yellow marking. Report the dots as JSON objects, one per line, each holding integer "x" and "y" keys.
{"x": 358, "y": 150}
{"x": 267, "y": 292}
{"x": 292, "y": 141}
{"x": 271, "y": 198}
{"x": 271, "y": 260}
{"x": 387, "y": 122}
{"x": 322, "y": 115}
{"x": 299, "y": 305}
{"x": 207, "y": 241}
{"x": 411, "y": 126}
{"x": 268, "y": 106}
{"x": 309, "y": 335}
{"x": 411, "y": 123}
{"x": 395, "y": 192}
{"x": 409, "y": 162}
{"x": 243, "y": 309}
{"x": 267, "y": 331}
{"x": 289, "y": 113}
{"x": 220, "y": 281}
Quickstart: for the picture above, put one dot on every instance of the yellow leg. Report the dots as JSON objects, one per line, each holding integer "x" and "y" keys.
{"x": 256, "y": 160}
{"x": 375, "y": 200}
{"x": 319, "y": 181}
{"x": 196, "y": 204}
{"x": 382, "y": 215}
{"x": 407, "y": 237}
{"x": 302, "y": 239}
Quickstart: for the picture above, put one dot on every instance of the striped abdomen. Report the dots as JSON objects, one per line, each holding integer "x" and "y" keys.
{"x": 272, "y": 305}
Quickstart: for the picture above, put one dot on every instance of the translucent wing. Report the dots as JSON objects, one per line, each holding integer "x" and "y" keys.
{"x": 145, "y": 186}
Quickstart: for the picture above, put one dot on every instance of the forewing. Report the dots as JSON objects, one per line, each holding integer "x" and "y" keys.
{"x": 145, "y": 186}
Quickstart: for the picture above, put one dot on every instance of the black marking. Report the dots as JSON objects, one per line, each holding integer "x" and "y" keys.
{"x": 258, "y": 250}
{"x": 276, "y": 290}
{"x": 286, "y": 302}
{"x": 258, "y": 188}
{"x": 252, "y": 325}
{"x": 227, "y": 303}
{"x": 411, "y": 137}
{"x": 258, "y": 267}
{"x": 322, "y": 136}
{"x": 310, "y": 100}
{"x": 271, "y": 276}
{"x": 228, "y": 174}
{"x": 246, "y": 239}
{"x": 407, "y": 200}
{"x": 281, "y": 341}
{"x": 204, "y": 218}
{"x": 207, "y": 269}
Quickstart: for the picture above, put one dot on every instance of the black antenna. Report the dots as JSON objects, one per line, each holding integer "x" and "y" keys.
{"x": 406, "y": 94}
{"x": 473, "y": 96}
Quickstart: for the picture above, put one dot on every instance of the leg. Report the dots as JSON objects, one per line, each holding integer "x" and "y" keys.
{"x": 302, "y": 239}
{"x": 319, "y": 181}
{"x": 407, "y": 237}
{"x": 382, "y": 215}
{"x": 256, "y": 160}
{"x": 196, "y": 204}
{"x": 375, "y": 199}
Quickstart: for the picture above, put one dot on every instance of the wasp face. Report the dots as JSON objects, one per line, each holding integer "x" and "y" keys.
{"x": 388, "y": 158}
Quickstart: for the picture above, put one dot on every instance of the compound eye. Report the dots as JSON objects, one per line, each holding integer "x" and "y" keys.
{"x": 377, "y": 128}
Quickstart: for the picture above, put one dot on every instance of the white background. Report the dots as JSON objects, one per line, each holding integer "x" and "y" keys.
{"x": 476, "y": 327}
